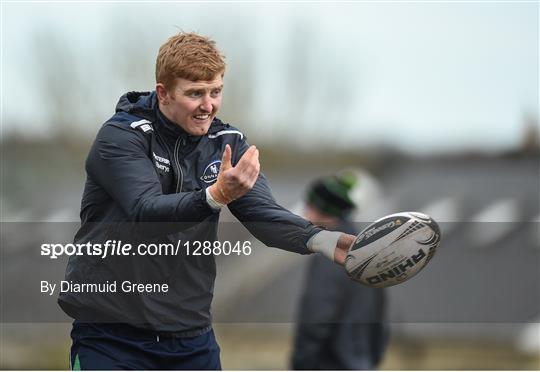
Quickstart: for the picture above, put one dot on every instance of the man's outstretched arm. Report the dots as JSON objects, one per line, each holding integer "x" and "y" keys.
{"x": 248, "y": 196}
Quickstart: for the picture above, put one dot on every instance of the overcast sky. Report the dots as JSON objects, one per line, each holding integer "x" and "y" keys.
{"x": 419, "y": 76}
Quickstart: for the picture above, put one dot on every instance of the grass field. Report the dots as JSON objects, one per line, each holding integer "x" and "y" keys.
{"x": 267, "y": 347}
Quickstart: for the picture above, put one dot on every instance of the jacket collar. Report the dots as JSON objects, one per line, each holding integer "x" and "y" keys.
{"x": 168, "y": 128}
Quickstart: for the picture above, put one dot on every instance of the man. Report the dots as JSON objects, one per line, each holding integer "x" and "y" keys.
{"x": 159, "y": 171}
{"x": 340, "y": 323}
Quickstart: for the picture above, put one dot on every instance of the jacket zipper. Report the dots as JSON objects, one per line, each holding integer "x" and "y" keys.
{"x": 179, "y": 181}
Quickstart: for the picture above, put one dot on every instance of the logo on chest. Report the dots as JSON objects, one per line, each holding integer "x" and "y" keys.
{"x": 161, "y": 163}
{"x": 211, "y": 172}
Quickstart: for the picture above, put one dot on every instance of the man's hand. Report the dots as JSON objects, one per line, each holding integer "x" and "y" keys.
{"x": 234, "y": 182}
{"x": 342, "y": 248}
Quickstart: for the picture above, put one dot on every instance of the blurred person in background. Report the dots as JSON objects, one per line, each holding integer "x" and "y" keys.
{"x": 340, "y": 324}
{"x": 159, "y": 172}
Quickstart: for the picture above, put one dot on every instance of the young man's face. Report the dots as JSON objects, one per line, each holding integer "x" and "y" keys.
{"x": 191, "y": 104}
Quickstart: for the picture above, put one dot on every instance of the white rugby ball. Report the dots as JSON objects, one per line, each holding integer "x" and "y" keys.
{"x": 393, "y": 249}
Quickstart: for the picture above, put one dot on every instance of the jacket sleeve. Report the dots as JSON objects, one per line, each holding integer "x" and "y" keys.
{"x": 118, "y": 162}
{"x": 269, "y": 222}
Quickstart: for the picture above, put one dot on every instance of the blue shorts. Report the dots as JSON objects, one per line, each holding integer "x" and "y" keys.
{"x": 120, "y": 346}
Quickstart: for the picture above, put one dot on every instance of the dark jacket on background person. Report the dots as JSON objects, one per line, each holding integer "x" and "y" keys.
{"x": 340, "y": 323}
{"x": 146, "y": 181}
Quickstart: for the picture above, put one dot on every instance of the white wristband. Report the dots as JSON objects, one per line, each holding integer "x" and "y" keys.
{"x": 325, "y": 243}
{"x": 213, "y": 203}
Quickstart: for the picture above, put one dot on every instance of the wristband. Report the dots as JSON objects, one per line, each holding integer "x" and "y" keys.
{"x": 325, "y": 243}
{"x": 213, "y": 203}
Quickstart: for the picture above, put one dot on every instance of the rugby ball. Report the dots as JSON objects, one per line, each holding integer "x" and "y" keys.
{"x": 393, "y": 249}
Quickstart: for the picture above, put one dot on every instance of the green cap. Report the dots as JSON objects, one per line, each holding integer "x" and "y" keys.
{"x": 331, "y": 194}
